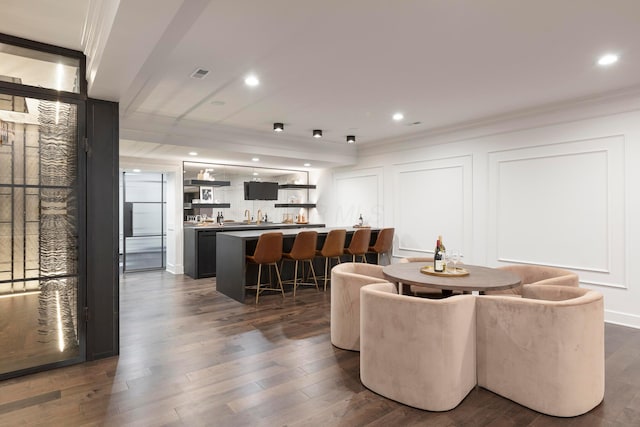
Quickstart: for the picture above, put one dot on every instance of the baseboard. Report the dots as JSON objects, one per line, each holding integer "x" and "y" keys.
{"x": 175, "y": 268}
{"x": 622, "y": 319}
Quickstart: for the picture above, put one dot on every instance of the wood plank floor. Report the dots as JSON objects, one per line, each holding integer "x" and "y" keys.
{"x": 193, "y": 357}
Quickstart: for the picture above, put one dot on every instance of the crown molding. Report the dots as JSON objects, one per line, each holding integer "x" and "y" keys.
{"x": 620, "y": 101}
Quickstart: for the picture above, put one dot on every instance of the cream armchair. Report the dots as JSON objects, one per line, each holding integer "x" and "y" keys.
{"x": 539, "y": 275}
{"x": 417, "y": 351}
{"x": 346, "y": 280}
{"x": 544, "y": 350}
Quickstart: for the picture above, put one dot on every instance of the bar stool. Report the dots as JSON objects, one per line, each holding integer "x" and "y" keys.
{"x": 384, "y": 243}
{"x": 359, "y": 244}
{"x": 333, "y": 247}
{"x": 268, "y": 252}
{"x": 304, "y": 249}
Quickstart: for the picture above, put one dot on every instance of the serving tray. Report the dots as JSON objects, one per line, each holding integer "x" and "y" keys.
{"x": 449, "y": 272}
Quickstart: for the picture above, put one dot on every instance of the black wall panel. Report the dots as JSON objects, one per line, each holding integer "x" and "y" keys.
{"x": 102, "y": 229}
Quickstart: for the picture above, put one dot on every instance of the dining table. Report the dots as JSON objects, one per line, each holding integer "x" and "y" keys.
{"x": 465, "y": 279}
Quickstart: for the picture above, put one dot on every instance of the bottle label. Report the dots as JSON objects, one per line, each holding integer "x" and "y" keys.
{"x": 438, "y": 266}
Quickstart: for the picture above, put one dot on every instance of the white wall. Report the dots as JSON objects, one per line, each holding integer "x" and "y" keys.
{"x": 553, "y": 190}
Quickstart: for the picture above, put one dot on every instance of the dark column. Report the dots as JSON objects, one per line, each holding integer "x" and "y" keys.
{"x": 102, "y": 229}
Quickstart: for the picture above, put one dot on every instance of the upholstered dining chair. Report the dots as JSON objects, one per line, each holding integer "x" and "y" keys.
{"x": 359, "y": 244}
{"x": 383, "y": 244}
{"x": 417, "y": 351}
{"x": 333, "y": 247}
{"x": 538, "y": 275}
{"x": 304, "y": 249}
{"x": 346, "y": 280}
{"x": 268, "y": 252}
{"x": 545, "y": 350}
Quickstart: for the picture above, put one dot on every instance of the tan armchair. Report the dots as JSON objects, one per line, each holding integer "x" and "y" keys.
{"x": 346, "y": 280}
{"x": 539, "y": 275}
{"x": 544, "y": 350}
{"x": 417, "y": 351}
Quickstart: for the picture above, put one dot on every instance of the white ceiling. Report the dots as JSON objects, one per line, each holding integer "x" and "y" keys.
{"x": 341, "y": 66}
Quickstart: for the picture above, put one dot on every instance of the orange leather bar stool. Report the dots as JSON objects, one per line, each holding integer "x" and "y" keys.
{"x": 333, "y": 247}
{"x": 384, "y": 243}
{"x": 359, "y": 244}
{"x": 268, "y": 252}
{"x": 304, "y": 249}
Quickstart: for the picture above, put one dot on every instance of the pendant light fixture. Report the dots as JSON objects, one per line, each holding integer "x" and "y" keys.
{"x": 351, "y": 139}
{"x": 317, "y": 133}
{"x": 278, "y": 127}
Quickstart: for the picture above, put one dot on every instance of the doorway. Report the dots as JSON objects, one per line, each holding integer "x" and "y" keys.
{"x": 143, "y": 221}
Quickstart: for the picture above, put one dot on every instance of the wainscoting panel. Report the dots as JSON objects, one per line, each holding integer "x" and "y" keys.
{"x": 359, "y": 192}
{"x": 440, "y": 195}
{"x": 560, "y": 205}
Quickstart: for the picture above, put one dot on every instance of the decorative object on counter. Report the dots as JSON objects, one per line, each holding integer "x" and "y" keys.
{"x": 360, "y": 221}
{"x": 287, "y": 218}
{"x": 200, "y": 175}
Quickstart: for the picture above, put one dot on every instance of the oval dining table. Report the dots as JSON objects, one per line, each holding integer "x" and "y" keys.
{"x": 479, "y": 279}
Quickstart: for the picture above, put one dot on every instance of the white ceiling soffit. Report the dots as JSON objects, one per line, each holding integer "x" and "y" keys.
{"x": 346, "y": 66}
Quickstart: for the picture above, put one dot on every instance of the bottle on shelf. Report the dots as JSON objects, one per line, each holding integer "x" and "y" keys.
{"x": 360, "y": 221}
{"x": 438, "y": 259}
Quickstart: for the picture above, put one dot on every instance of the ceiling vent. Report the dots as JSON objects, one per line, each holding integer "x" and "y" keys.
{"x": 199, "y": 73}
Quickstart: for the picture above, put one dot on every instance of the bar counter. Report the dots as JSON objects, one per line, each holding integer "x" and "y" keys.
{"x": 233, "y": 273}
{"x": 200, "y": 243}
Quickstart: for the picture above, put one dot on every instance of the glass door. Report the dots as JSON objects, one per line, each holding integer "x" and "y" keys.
{"x": 143, "y": 224}
{"x": 40, "y": 196}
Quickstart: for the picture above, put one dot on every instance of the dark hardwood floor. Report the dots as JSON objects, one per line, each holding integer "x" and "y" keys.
{"x": 193, "y": 357}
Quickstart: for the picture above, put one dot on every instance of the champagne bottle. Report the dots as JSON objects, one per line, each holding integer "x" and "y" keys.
{"x": 438, "y": 259}
{"x": 443, "y": 250}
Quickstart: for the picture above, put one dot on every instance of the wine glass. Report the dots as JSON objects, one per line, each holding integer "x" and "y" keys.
{"x": 455, "y": 258}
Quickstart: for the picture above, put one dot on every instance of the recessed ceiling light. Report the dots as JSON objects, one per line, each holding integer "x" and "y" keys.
{"x": 608, "y": 59}
{"x": 193, "y": 153}
{"x": 317, "y": 133}
{"x": 278, "y": 127}
{"x": 255, "y": 159}
{"x": 398, "y": 116}
{"x": 251, "y": 80}
{"x": 307, "y": 165}
{"x": 256, "y": 174}
{"x": 137, "y": 170}
{"x": 351, "y": 139}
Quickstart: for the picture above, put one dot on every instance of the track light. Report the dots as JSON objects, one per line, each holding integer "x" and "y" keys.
{"x": 278, "y": 127}
{"x": 351, "y": 139}
{"x": 317, "y": 133}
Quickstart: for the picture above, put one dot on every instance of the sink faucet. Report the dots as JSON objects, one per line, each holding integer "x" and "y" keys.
{"x": 248, "y": 215}
{"x": 259, "y": 219}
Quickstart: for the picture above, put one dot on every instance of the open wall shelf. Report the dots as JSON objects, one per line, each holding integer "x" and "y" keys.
{"x": 297, "y": 186}
{"x": 206, "y": 205}
{"x": 295, "y": 205}
{"x": 206, "y": 183}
